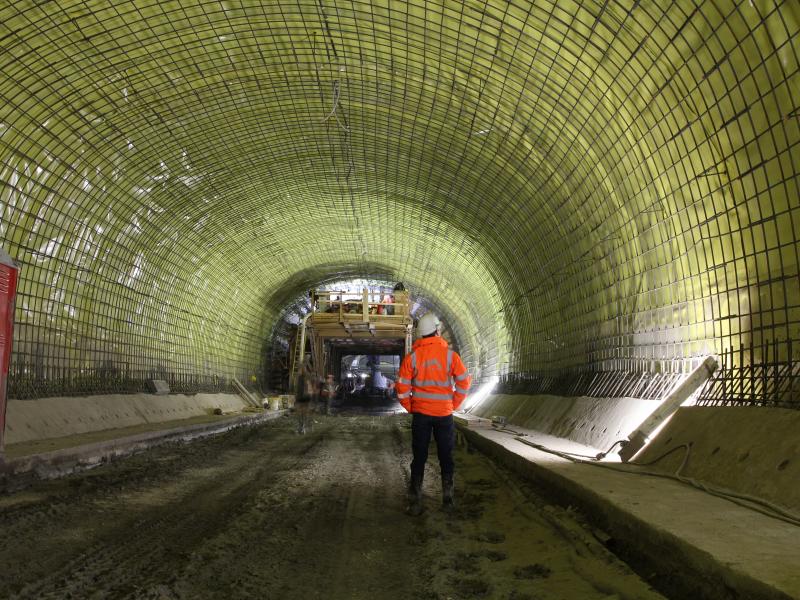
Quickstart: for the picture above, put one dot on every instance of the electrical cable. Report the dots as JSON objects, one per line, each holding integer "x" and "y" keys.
{"x": 599, "y": 456}
{"x": 750, "y": 502}
{"x": 504, "y": 428}
{"x": 602, "y": 455}
{"x": 666, "y": 454}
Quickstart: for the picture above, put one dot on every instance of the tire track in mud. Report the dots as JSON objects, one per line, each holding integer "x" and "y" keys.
{"x": 327, "y": 535}
{"x": 374, "y": 530}
{"x": 143, "y": 548}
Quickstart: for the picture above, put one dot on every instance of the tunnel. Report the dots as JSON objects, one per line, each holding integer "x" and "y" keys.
{"x": 597, "y": 198}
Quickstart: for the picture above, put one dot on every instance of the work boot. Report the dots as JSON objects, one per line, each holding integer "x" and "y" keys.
{"x": 448, "y": 493}
{"x": 414, "y": 498}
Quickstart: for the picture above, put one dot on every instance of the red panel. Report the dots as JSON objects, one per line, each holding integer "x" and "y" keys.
{"x": 8, "y": 290}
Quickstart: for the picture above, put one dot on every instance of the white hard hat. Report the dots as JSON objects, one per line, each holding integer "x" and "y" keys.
{"x": 429, "y": 323}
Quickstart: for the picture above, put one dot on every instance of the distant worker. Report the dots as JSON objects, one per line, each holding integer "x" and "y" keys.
{"x": 328, "y": 394}
{"x": 388, "y": 300}
{"x": 307, "y": 389}
{"x": 380, "y": 306}
{"x": 382, "y": 384}
{"x": 399, "y": 287}
{"x": 378, "y": 380}
{"x": 425, "y": 389}
{"x": 323, "y": 301}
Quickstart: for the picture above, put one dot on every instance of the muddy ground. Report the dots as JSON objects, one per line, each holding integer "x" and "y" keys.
{"x": 265, "y": 513}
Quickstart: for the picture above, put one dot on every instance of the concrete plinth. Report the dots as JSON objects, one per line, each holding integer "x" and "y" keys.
{"x": 46, "y": 418}
{"x": 17, "y": 471}
{"x": 696, "y": 545}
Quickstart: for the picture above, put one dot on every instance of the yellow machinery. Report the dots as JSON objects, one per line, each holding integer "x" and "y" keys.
{"x": 339, "y": 318}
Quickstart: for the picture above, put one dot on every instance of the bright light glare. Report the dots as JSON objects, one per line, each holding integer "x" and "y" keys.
{"x": 483, "y": 392}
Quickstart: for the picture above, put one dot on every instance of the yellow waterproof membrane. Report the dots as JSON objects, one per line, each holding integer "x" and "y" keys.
{"x": 578, "y": 185}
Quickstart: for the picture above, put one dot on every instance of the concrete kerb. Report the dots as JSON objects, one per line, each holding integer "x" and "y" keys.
{"x": 672, "y": 565}
{"x": 19, "y": 472}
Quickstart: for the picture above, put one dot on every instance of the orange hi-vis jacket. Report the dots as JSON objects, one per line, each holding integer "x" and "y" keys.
{"x": 425, "y": 380}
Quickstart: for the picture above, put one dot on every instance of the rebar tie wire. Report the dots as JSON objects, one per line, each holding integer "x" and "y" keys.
{"x": 333, "y": 113}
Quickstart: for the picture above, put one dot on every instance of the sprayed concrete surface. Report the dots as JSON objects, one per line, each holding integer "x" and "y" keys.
{"x": 104, "y": 435}
{"x": 47, "y": 418}
{"x": 264, "y": 513}
{"x": 20, "y": 469}
{"x": 595, "y": 422}
{"x": 751, "y": 449}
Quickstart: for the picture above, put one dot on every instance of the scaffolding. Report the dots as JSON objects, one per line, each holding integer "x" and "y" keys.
{"x": 371, "y": 318}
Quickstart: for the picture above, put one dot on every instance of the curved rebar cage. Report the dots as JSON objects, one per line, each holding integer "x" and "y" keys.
{"x": 581, "y": 185}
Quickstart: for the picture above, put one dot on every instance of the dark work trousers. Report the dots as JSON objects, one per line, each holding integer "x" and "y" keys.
{"x": 444, "y": 432}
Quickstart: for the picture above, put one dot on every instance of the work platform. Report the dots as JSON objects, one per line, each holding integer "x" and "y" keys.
{"x": 368, "y": 322}
{"x": 375, "y": 315}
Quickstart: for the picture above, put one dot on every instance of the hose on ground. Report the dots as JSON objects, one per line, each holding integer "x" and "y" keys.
{"x": 599, "y": 456}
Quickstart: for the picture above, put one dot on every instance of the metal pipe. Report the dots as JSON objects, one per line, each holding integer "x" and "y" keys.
{"x": 669, "y": 405}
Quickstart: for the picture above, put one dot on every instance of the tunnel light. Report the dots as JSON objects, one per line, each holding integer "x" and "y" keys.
{"x": 481, "y": 394}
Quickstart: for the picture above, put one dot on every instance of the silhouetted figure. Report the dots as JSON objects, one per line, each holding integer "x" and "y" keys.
{"x": 328, "y": 393}
{"x": 307, "y": 386}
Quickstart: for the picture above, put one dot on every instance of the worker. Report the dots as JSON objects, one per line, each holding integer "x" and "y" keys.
{"x": 388, "y": 300}
{"x": 425, "y": 389}
{"x": 381, "y": 384}
{"x": 307, "y": 388}
{"x": 328, "y": 393}
{"x": 399, "y": 290}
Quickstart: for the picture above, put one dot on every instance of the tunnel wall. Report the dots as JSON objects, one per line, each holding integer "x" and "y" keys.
{"x": 585, "y": 186}
{"x": 594, "y": 422}
{"x": 692, "y": 198}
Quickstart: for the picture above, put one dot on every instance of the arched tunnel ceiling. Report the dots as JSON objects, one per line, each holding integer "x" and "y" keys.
{"x": 579, "y": 183}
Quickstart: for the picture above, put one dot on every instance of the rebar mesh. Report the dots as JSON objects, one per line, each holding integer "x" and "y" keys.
{"x": 582, "y": 184}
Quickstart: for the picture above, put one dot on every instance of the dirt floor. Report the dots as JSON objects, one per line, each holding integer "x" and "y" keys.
{"x": 266, "y": 513}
